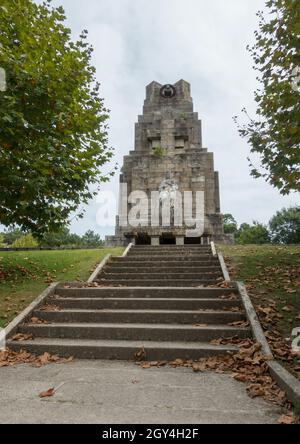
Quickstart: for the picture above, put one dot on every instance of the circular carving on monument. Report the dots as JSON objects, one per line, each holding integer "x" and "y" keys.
{"x": 168, "y": 91}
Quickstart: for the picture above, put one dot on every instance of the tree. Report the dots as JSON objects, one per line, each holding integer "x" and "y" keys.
{"x": 253, "y": 234}
{"x": 285, "y": 226}
{"x": 26, "y": 241}
{"x": 230, "y": 224}
{"x": 91, "y": 239}
{"x": 274, "y": 134}
{"x": 10, "y": 236}
{"x": 2, "y": 243}
{"x": 53, "y": 132}
{"x": 61, "y": 238}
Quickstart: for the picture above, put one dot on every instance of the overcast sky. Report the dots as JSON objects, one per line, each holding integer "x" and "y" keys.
{"x": 201, "y": 41}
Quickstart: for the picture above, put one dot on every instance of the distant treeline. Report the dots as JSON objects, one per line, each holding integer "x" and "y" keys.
{"x": 283, "y": 228}
{"x": 16, "y": 239}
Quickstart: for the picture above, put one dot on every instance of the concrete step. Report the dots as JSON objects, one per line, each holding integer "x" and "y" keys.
{"x": 170, "y": 247}
{"x": 136, "y": 332}
{"x": 144, "y": 292}
{"x": 170, "y": 251}
{"x": 156, "y": 283}
{"x": 158, "y": 276}
{"x": 133, "y": 316}
{"x": 166, "y": 256}
{"x": 118, "y": 349}
{"x": 167, "y": 259}
{"x": 127, "y": 268}
{"x": 144, "y": 303}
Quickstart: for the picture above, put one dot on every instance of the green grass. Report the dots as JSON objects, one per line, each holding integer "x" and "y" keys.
{"x": 272, "y": 277}
{"x": 270, "y": 272}
{"x": 24, "y": 275}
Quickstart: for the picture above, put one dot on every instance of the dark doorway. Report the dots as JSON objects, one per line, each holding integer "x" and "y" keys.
{"x": 167, "y": 239}
{"x": 192, "y": 240}
{"x": 142, "y": 239}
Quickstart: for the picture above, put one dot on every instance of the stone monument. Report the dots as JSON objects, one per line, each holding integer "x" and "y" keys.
{"x": 168, "y": 160}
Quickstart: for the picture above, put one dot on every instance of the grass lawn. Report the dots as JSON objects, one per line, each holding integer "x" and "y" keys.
{"x": 272, "y": 276}
{"x": 24, "y": 275}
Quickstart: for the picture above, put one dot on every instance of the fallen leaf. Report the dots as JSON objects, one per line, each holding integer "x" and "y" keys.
{"x": 36, "y": 320}
{"x": 239, "y": 324}
{"x": 287, "y": 419}
{"x": 162, "y": 363}
{"x": 146, "y": 365}
{"x": 45, "y": 358}
{"x": 47, "y": 394}
{"x": 287, "y": 309}
{"x": 255, "y": 390}
{"x": 9, "y": 358}
{"x": 199, "y": 367}
{"x": 49, "y": 308}
{"x": 140, "y": 355}
{"x": 22, "y": 337}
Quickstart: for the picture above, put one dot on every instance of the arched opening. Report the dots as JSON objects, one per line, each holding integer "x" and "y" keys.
{"x": 167, "y": 239}
{"x": 192, "y": 240}
{"x": 142, "y": 239}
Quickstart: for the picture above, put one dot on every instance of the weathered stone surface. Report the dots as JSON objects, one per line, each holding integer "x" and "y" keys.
{"x": 105, "y": 392}
{"x": 169, "y": 153}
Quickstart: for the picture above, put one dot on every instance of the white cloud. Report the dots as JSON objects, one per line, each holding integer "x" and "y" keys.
{"x": 202, "y": 41}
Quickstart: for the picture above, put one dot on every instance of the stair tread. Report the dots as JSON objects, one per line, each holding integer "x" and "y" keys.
{"x": 143, "y": 299}
{"x": 198, "y": 281}
{"x": 167, "y": 256}
{"x": 214, "y": 288}
{"x": 125, "y": 343}
{"x": 134, "y": 325}
{"x": 118, "y": 269}
{"x": 141, "y": 311}
{"x": 154, "y": 273}
{"x": 158, "y": 280}
{"x": 168, "y": 288}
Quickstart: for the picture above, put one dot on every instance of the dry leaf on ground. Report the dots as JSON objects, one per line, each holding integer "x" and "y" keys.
{"x": 49, "y": 308}
{"x": 239, "y": 324}
{"x": 9, "y": 358}
{"x": 248, "y": 365}
{"x": 140, "y": 355}
{"x": 48, "y": 393}
{"x": 36, "y": 320}
{"x": 287, "y": 419}
{"x": 22, "y": 337}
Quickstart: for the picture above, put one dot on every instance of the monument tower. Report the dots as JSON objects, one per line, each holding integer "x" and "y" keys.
{"x": 168, "y": 160}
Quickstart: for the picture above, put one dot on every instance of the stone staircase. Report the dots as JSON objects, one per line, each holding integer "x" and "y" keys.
{"x": 164, "y": 299}
{"x": 176, "y": 266}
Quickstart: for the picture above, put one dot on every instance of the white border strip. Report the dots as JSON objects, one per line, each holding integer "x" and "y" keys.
{"x": 127, "y": 250}
{"x": 104, "y": 262}
{"x": 257, "y": 330}
{"x": 223, "y": 267}
{"x": 286, "y": 381}
{"x": 13, "y": 326}
{"x": 213, "y": 249}
{"x": 99, "y": 268}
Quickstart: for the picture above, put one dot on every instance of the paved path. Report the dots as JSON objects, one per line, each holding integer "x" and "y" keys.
{"x": 121, "y": 392}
